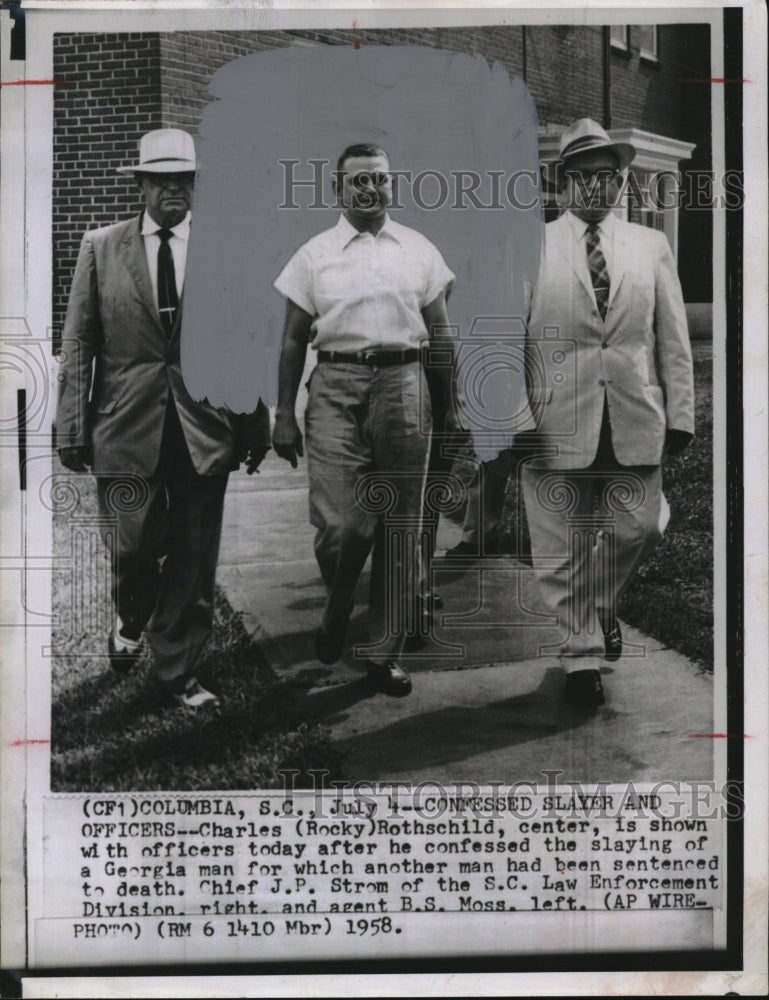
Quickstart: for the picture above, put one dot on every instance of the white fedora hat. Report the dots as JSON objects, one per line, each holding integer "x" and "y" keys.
{"x": 164, "y": 151}
{"x": 585, "y": 135}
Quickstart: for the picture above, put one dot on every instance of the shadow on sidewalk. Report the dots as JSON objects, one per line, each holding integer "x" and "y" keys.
{"x": 438, "y": 737}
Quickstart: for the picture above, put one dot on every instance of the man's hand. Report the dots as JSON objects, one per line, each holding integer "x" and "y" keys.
{"x": 77, "y": 459}
{"x": 287, "y": 438}
{"x": 252, "y": 437}
{"x": 676, "y": 441}
{"x": 254, "y": 458}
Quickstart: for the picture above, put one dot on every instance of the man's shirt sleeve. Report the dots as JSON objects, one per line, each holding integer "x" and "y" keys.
{"x": 295, "y": 281}
{"x": 438, "y": 276}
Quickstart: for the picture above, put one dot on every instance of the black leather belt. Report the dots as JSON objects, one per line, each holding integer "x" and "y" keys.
{"x": 373, "y": 358}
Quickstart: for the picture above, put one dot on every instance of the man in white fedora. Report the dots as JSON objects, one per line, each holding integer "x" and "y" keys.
{"x": 608, "y": 335}
{"x": 161, "y": 460}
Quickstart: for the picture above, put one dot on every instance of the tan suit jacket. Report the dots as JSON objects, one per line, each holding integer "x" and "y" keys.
{"x": 639, "y": 359}
{"x": 121, "y": 369}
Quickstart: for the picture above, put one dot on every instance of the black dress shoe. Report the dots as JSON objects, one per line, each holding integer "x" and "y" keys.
{"x": 612, "y": 637}
{"x": 122, "y": 658}
{"x": 585, "y": 688}
{"x": 389, "y": 678}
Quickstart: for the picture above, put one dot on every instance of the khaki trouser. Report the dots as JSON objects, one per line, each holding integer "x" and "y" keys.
{"x": 590, "y": 530}
{"x": 368, "y": 437}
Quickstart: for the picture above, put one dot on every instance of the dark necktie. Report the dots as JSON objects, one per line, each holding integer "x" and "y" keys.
{"x": 168, "y": 300}
{"x": 598, "y": 273}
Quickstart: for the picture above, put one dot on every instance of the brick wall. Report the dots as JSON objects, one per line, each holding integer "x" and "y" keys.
{"x": 654, "y": 96}
{"x": 110, "y": 97}
{"x": 564, "y": 72}
{"x": 189, "y": 60}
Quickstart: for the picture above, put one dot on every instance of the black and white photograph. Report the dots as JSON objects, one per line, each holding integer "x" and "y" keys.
{"x": 384, "y": 498}
{"x": 506, "y": 650}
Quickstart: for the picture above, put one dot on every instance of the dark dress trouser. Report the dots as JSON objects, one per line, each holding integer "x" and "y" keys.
{"x": 181, "y": 520}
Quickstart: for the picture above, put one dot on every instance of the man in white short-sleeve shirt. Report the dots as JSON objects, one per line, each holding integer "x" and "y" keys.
{"x": 368, "y": 295}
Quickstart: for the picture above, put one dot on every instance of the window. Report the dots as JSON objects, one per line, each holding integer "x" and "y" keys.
{"x": 648, "y": 41}
{"x": 655, "y": 194}
{"x": 619, "y": 36}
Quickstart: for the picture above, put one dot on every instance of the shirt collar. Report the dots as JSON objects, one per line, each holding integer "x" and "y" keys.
{"x": 181, "y": 229}
{"x": 347, "y": 232}
{"x": 605, "y": 226}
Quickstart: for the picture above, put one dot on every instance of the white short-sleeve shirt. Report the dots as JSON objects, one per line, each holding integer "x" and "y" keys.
{"x": 363, "y": 291}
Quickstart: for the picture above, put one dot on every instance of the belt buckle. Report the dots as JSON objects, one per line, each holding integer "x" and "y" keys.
{"x": 369, "y": 356}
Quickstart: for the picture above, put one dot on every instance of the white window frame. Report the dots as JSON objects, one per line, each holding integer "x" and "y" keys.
{"x": 651, "y": 55}
{"x": 621, "y": 45}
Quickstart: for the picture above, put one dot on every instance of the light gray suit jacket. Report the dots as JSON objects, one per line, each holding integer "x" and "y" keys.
{"x": 120, "y": 368}
{"x": 639, "y": 358}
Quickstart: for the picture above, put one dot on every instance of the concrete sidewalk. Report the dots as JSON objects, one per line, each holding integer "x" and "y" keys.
{"x": 487, "y": 703}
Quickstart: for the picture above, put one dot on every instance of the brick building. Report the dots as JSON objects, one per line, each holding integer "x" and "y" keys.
{"x": 646, "y": 84}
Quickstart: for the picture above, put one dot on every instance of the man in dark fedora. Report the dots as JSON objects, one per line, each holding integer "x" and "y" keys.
{"x": 608, "y": 327}
{"x": 124, "y": 412}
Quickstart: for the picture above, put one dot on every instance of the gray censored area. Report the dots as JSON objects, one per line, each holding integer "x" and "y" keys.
{"x": 267, "y": 149}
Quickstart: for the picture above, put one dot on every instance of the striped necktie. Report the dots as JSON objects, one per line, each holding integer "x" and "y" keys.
{"x": 168, "y": 299}
{"x": 598, "y": 273}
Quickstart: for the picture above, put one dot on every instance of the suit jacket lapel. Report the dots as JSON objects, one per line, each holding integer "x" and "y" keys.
{"x": 132, "y": 248}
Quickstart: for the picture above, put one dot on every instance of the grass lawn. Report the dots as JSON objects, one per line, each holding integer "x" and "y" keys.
{"x": 671, "y": 597}
{"x": 112, "y": 733}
